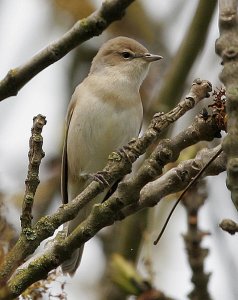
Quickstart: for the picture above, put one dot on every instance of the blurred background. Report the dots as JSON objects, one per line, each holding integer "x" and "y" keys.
{"x": 184, "y": 33}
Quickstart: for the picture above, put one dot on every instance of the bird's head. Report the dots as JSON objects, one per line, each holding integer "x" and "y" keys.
{"x": 124, "y": 56}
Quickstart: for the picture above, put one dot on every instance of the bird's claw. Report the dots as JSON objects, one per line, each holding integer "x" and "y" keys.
{"x": 123, "y": 152}
{"x": 100, "y": 178}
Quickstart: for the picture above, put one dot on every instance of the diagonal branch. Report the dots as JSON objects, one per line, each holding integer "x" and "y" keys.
{"x": 181, "y": 176}
{"x": 93, "y": 25}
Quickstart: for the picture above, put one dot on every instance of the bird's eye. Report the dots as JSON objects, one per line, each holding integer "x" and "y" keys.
{"x": 127, "y": 55}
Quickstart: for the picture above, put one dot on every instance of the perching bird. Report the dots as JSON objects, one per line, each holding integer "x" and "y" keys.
{"x": 104, "y": 114}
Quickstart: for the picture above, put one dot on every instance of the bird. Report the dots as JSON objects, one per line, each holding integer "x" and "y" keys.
{"x": 104, "y": 114}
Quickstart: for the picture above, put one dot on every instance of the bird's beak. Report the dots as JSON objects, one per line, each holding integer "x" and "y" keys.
{"x": 152, "y": 57}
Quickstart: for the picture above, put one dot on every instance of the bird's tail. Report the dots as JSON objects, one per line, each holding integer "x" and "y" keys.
{"x": 70, "y": 265}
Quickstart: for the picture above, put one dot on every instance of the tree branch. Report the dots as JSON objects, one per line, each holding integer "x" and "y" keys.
{"x": 119, "y": 164}
{"x": 93, "y": 25}
{"x": 102, "y": 215}
{"x": 227, "y": 48}
{"x": 196, "y": 254}
{"x": 35, "y": 155}
{"x": 178, "y": 178}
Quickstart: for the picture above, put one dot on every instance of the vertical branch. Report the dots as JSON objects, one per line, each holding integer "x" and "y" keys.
{"x": 191, "y": 46}
{"x": 227, "y": 48}
{"x": 192, "y": 202}
{"x": 35, "y": 155}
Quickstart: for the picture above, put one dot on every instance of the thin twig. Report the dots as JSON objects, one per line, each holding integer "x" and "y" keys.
{"x": 199, "y": 174}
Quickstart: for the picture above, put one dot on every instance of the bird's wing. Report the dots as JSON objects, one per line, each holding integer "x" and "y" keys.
{"x": 64, "y": 167}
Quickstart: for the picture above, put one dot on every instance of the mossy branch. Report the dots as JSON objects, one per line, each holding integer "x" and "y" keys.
{"x": 102, "y": 215}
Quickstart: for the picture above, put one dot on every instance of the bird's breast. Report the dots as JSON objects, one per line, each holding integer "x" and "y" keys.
{"x": 97, "y": 128}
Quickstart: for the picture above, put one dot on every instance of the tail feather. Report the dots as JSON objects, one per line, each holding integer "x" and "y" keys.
{"x": 70, "y": 265}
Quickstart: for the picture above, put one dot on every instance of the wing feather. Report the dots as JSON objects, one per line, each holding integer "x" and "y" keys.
{"x": 64, "y": 167}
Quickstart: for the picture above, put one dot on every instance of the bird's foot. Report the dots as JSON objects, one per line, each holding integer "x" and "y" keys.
{"x": 123, "y": 151}
{"x": 100, "y": 178}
